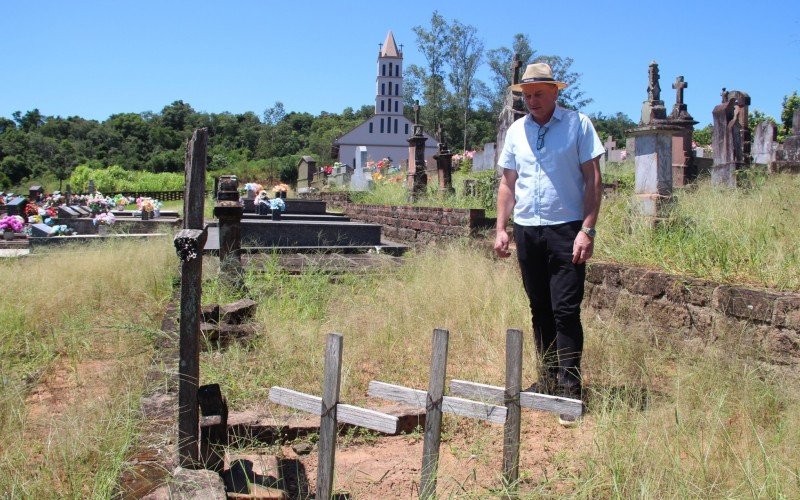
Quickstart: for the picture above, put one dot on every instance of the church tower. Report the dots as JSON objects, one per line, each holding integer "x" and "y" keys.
{"x": 389, "y": 86}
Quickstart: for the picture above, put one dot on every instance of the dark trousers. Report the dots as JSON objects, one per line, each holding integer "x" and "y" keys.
{"x": 555, "y": 290}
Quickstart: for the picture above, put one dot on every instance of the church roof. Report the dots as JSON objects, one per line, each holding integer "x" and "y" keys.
{"x": 389, "y": 48}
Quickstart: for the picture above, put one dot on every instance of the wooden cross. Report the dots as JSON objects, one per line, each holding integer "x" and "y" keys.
{"x": 679, "y": 85}
{"x": 515, "y": 66}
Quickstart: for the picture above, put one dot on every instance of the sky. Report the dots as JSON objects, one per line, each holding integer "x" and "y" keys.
{"x": 95, "y": 59}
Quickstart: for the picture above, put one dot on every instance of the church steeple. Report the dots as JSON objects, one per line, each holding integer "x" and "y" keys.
{"x": 389, "y": 88}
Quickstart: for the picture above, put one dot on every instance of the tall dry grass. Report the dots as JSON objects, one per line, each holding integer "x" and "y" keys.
{"x": 77, "y": 325}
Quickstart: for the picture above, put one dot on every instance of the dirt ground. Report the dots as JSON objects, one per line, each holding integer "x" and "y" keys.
{"x": 470, "y": 460}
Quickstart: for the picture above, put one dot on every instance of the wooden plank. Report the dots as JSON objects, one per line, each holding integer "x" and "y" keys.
{"x": 455, "y": 405}
{"x": 433, "y": 417}
{"x": 327, "y": 422}
{"x": 348, "y": 414}
{"x": 511, "y": 429}
{"x": 195, "y": 172}
{"x": 532, "y": 400}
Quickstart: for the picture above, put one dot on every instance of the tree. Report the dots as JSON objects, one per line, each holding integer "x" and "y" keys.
{"x": 30, "y": 121}
{"x": 790, "y": 104}
{"x": 64, "y": 161}
{"x": 6, "y": 124}
{"x": 465, "y": 54}
{"x": 616, "y": 126}
{"x": 434, "y": 45}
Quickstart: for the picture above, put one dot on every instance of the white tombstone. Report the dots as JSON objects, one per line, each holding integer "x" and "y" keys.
{"x": 359, "y": 181}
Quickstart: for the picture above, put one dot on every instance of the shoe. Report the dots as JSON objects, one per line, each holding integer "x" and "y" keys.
{"x": 568, "y": 420}
{"x": 541, "y": 388}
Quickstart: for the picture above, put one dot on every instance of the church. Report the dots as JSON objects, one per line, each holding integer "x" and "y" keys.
{"x": 385, "y": 134}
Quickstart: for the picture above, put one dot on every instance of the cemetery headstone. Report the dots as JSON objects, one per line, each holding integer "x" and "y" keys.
{"x": 35, "y": 193}
{"x": 65, "y": 212}
{"x": 684, "y": 169}
{"x": 358, "y": 182}
{"x": 41, "y": 230}
{"x": 444, "y": 167}
{"x": 306, "y": 174}
{"x": 417, "y": 176}
{"x": 765, "y": 143}
{"x": 740, "y": 114}
{"x": 16, "y": 206}
{"x": 787, "y": 157}
{"x": 228, "y": 212}
{"x": 726, "y": 142}
{"x": 513, "y": 109}
{"x": 68, "y": 195}
{"x": 91, "y": 186}
{"x": 653, "y": 189}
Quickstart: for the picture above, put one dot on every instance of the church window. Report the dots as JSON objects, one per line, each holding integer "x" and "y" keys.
{"x": 382, "y": 102}
{"x": 397, "y": 69}
{"x": 395, "y": 125}
{"x": 395, "y": 109}
{"x": 390, "y": 69}
{"x": 370, "y": 127}
{"x": 383, "y": 89}
{"x": 390, "y": 105}
{"x": 406, "y": 128}
{"x": 396, "y": 88}
{"x": 383, "y": 70}
{"x": 381, "y": 125}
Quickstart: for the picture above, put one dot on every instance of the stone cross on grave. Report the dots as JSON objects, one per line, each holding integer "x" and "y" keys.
{"x": 724, "y": 95}
{"x": 416, "y": 112}
{"x": 440, "y": 133}
{"x": 515, "y": 67}
{"x": 679, "y": 85}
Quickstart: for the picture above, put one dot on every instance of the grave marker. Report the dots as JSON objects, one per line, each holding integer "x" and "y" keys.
{"x": 684, "y": 168}
{"x": 726, "y": 142}
{"x": 417, "y": 181}
{"x": 41, "y": 230}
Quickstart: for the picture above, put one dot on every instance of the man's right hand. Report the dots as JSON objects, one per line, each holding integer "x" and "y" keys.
{"x": 501, "y": 244}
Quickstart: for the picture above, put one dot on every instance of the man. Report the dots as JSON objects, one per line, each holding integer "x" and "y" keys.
{"x": 551, "y": 180}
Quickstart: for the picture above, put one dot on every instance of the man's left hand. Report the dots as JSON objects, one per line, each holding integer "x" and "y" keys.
{"x": 582, "y": 249}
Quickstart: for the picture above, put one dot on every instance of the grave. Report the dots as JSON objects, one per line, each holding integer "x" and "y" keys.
{"x": 65, "y": 212}
{"x": 358, "y": 182}
{"x": 41, "y": 230}
{"x": 484, "y": 159}
{"x": 726, "y": 141}
{"x": 444, "y": 166}
{"x": 16, "y": 206}
{"x": 653, "y": 190}
{"x": 741, "y": 115}
{"x": 513, "y": 109}
{"x": 684, "y": 170}
{"x": 417, "y": 180}
{"x": 787, "y": 157}
{"x": 35, "y": 193}
{"x": 307, "y": 175}
{"x": 765, "y": 144}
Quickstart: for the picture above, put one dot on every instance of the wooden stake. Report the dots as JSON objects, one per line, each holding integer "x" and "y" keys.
{"x": 327, "y": 423}
{"x": 195, "y": 171}
{"x": 512, "y": 428}
{"x": 433, "y": 418}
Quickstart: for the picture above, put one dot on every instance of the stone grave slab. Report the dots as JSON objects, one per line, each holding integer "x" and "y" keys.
{"x": 65, "y": 212}
{"x": 16, "y": 206}
{"x": 41, "y": 230}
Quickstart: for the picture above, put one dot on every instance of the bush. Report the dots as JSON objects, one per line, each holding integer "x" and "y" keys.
{"x": 115, "y": 179}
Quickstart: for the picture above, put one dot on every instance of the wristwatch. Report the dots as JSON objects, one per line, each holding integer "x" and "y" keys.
{"x": 590, "y": 231}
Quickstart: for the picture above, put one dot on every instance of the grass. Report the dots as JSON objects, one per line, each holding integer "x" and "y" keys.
{"x": 71, "y": 320}
{"x": 747, "y": 236}
{"x": 666, "y": 419}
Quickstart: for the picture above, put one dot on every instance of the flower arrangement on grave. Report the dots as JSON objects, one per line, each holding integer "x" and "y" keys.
{"x": 262, "y": 197}
{"x": 13, "y": 223}
{"x": 63, "y": 230}
{"x": 277, "y": 204}
{"x": 145, "y": 204}
{"x": 31, "y": 209}
{"x": 280, "y": 188}
{"x": 120, "y": 201}
{"x": 97, "y": 203}
{"x": 34, "y": 219}
{"x": 104, "y": 219}
{"x": 53, "y": 200}
{"x": 253, "y": 188}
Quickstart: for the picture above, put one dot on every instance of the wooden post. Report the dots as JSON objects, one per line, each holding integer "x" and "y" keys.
{"x": 512, "y": 426}
{"x": 327, "y": 423}
{"x": 433, "y": 417}
{"x": 189, "y": 245}
{"x": 195, "y": 190}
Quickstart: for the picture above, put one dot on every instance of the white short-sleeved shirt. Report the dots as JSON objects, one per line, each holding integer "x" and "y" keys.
{"x": 549, "y": 188}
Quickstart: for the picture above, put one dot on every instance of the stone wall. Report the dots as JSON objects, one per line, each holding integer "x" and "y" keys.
{"x": 692, "y": 307}
{"x": 412, "y": 225}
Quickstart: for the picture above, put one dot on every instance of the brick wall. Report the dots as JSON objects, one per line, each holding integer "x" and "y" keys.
{"x": 412, "y": 225}
{"x": 694, "y": 307}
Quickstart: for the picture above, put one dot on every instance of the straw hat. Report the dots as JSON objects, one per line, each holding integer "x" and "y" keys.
{"x": 537, "y": 73}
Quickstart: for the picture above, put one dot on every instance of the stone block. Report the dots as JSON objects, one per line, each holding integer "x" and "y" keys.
{"x": 594, "y": 274}
{"x": 787, "y": 312}
{"x": 689, "y": 290}
{"x": 783, "y": 346}
{"x": 700, "y": 318}
{"x": 238, "y": 312}
{"x": 666, "y": 315}
{"x": 644, "y": 282}
{"x": 652, "y": 205}
{"x": 191, "y": 484}
{"x": 755, "y": 305}
{"x": 41, "y": 230}
{"x": 210, "y": 313}
{"x": 613, "y": 274}
{"x": 630, "y": 307}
